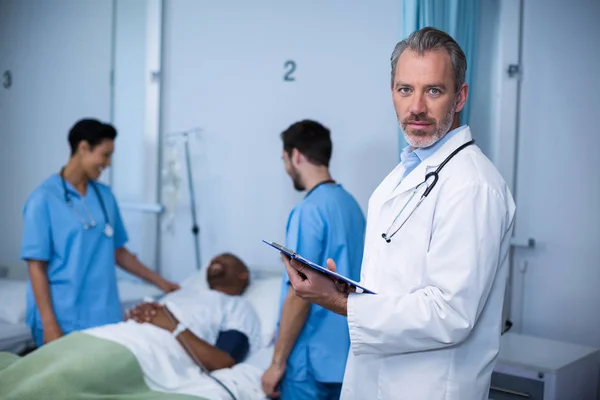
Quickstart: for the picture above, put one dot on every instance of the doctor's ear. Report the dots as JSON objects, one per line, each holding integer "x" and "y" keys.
{"x": 461, "y": 97}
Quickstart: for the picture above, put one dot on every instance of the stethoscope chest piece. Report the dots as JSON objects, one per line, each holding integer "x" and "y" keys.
{"x": 108, "y": 230}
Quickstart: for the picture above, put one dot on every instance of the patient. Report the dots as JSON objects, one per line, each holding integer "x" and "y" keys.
{"x": 154, "y": 354}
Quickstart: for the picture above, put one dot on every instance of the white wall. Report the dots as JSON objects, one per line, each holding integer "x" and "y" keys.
{"x": 59, "y": 53}
{"x": 223, "y": 71}
{"x": 557, "y": 184}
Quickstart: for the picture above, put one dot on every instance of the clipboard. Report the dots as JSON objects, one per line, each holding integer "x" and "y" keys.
{"x": 292, "y": 254}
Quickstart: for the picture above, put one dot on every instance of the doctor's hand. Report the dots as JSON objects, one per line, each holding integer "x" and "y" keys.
{"x": 317, "y": 287}
{"x": 271, "y": 379}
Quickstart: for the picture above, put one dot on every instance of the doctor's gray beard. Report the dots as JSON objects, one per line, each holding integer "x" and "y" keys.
{"x": 442, "y": 128}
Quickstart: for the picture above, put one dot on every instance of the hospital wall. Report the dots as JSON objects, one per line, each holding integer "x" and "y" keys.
{"x": 59, "y": 54}
{"x": 226, "y": 72}
{"x": 557, "y": 185}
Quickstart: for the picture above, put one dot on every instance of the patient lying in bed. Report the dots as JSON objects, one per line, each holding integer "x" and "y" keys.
{"x": 155, "y": 353}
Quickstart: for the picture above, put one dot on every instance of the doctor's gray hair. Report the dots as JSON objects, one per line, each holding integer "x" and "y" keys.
{"x": 430, "y": 39}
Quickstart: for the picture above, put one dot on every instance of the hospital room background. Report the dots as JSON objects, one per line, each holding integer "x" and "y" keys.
{"x": 219, "y": 81}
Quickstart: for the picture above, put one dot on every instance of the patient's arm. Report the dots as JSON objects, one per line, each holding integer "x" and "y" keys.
{"x": 210, "y": 356}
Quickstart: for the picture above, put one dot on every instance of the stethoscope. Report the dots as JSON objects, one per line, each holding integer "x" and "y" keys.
{"x": 431, "y": 175}
{"x": 108, "y": 230}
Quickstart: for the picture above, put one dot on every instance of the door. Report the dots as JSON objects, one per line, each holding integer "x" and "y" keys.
{"x": 136, "y": 100}
{"x": 557, "y": 184}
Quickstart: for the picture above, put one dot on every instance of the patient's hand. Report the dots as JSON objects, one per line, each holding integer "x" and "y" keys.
{"x": 165, "y": 320}
{"x": 144, "y": 312}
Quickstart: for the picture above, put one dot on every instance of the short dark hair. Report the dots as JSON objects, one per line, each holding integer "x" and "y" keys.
{"x": 311, "y": 139}
{"x": 91, "y": 131}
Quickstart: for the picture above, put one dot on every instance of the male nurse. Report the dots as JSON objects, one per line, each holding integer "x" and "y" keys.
{"x": 73, "y": 237}
{"x": 312, "y": 342}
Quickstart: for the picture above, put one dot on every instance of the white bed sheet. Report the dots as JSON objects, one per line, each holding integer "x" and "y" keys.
{"x": 14, "y": 338}
{"x": 243, "y": 380}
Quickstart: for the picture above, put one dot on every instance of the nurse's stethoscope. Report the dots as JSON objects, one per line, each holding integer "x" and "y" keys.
{"x": 429, "y": 176}
{"x": 108, "y": 230}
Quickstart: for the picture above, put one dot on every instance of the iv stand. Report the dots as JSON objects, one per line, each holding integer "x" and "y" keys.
{"x": 188, "y": 162}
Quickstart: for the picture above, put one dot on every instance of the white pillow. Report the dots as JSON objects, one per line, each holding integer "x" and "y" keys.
{"x": 13, "y": 305}
{"x": 198, "y": 279}
{"x": 263, "y": 294}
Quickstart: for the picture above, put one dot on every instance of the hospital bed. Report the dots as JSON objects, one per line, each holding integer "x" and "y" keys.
{"x": 243, "y": 379}
{"x": 15, "y": 336}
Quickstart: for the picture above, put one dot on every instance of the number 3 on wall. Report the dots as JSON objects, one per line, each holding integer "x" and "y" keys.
{"x": 290, "y": 67}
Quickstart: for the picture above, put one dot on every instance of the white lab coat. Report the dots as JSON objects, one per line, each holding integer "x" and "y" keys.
{"x": 432, "y": 331}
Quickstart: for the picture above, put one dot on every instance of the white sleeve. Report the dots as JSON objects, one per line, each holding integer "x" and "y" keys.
{"x": 190, "y": 311}
{"x": 466, "y": 247}
{"x": 241, "y": 316}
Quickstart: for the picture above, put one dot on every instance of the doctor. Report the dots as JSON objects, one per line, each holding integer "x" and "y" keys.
{"x": 439, "y": 269}
{"x": 73, "y": 236}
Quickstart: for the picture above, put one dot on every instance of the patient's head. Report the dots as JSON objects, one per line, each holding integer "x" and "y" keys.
{"x": 228, "y": 274}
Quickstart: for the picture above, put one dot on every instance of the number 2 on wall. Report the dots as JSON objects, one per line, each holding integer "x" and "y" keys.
{"x": 290, "y": 67}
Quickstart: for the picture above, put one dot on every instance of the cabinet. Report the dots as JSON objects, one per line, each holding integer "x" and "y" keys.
{"x": 534, "y": 368}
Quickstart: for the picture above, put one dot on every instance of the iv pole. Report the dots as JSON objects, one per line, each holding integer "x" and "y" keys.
{"x": 195, "y": 228}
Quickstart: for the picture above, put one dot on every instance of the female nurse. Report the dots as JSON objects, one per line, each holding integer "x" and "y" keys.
{"x": 73, "y": 236}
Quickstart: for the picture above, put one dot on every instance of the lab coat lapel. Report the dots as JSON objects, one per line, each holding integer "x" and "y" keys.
{"x": 417, "y": 176}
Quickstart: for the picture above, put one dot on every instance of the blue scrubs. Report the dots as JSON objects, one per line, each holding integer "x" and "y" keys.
{"x": 81, "y": 262}
{"x": 328, "y": 223}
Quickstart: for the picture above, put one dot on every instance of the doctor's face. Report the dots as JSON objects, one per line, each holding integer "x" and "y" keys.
{"x": 424, "y": 96}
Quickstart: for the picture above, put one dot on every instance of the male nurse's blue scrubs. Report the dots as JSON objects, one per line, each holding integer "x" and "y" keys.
{"x": 328, "y": 223}
{"x": 81, "y": 262}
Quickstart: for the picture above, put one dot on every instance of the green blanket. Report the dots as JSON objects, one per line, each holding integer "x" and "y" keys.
{"x": 77, "y": 367}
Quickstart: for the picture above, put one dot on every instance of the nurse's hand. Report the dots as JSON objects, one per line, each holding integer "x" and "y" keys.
{"x": 271, "y": 379}
{"x": 167, "y": 286}
{"x": 52, "y": 332}
{"x": 316, "y": 287}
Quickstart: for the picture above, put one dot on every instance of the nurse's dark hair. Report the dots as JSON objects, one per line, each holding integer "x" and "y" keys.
{"x": 310, "y": 138}
{"x": 92, "y": 131}
{"x": 430, "y": 39}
